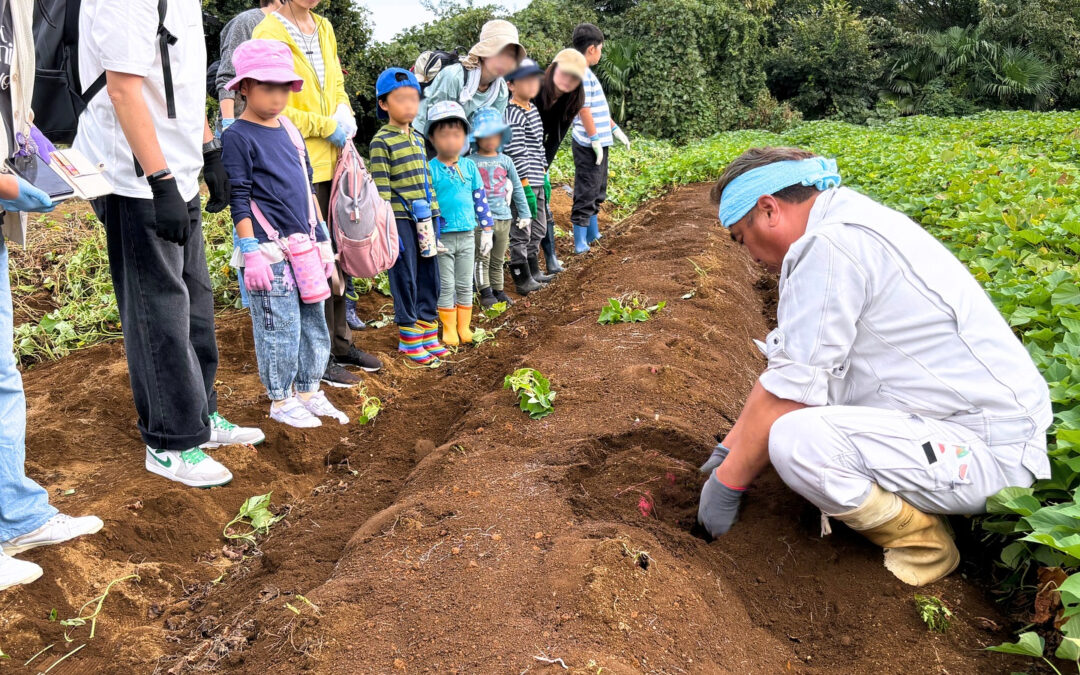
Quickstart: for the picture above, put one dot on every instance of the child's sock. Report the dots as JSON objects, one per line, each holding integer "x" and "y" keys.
{"x": 305, "y": 395}
{"x": 431, "y": 339}
{"x": 411, "y": 343}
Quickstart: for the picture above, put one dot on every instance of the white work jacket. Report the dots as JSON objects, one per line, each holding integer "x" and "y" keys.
{"x": 874, "y": 311}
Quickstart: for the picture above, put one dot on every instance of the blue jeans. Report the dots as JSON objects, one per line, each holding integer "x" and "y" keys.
{"x": 414, "y": 280}
{"x": 24, "y": 505}
{"x": 292, "y": 344}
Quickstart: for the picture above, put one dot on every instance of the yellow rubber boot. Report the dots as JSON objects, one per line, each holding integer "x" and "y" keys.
{"x": 450, "y": 327}
{"x": 918, "y": 547}
{"x": 464, "y": 317}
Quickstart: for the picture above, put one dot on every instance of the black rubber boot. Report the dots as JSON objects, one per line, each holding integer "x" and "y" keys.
{"x": 487, "y": 297}
{"x": 523, "y": 280}
{"x": 534, "y": 270}
{"x": 547, "y": 244}
{"x": 503, "y": 297}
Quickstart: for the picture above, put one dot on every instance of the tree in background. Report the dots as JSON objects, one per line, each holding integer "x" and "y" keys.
{"x": 615, "y": 71}
{"x": 825, "y": 64}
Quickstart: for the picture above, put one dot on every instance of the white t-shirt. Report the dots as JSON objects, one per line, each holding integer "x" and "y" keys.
{"x": 121, "y": 35}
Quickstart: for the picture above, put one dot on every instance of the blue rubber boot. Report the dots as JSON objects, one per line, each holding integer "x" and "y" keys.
{"x": 594, "y": 229}
{"x": 581, "y": 244}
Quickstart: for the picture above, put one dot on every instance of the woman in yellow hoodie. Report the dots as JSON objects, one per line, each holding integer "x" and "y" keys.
{"x": 322, "y": 113}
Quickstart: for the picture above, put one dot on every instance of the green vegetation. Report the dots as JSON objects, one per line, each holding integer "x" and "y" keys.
{"x": 533, "y": 390}
{"x": 80, "y": 620}
{"x": 370, "y": 406}
{"x": 933, "y": 612}
{"x": 632, "y": 312}
{"x": 255, "y": 513}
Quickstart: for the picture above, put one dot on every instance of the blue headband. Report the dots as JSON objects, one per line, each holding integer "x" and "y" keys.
{"x": 742, "y": 194}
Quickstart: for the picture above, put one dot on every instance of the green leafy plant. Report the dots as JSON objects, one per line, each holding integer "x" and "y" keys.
{"x": 80, "y": 620}
{"x": 534, "y": 392}
{"x": 493, "y": 312}
{"x": 370, "y": 406}
{"x": 933, "y": 612}
{"x": 256, "y": 516}
{"x": 631, "y": 312}
{"x": 482, "y": 335}
{"x": 1032, "y": 644}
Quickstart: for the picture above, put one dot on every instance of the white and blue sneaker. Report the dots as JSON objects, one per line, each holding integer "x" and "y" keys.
{"x": 224, "y": 432}
{"x": 56, "y": 530}
{"x": 190, "y": 467}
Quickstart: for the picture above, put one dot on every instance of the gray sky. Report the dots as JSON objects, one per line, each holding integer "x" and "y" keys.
{"x": 392, "y": 16}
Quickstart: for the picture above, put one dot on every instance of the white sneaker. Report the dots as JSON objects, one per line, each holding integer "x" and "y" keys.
{"x": 224, "y": 432}
{"x": 190, "y": 467}
{"x": 56, "y": 530}
{"x": 14, "y": 572}
{"x": 294, "y": 414}
{"x": 319, "y": 405}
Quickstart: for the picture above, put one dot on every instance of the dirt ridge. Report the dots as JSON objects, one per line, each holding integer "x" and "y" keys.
{"x": 456, "y": 535}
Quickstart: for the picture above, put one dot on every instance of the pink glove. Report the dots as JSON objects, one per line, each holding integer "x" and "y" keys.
{"x": 257, "y": 273}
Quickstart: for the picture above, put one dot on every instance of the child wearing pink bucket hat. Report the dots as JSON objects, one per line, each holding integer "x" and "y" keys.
{"x": 284, "y": 251}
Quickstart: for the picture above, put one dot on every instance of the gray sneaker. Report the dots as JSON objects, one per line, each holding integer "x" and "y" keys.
{"x": 336, "y": 376}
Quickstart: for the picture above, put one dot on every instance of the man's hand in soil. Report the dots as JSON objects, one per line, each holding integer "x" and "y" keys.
{"x": 715, "y": 459}
{"x": 719, "y": 506}
{"x": 171, "y": 220}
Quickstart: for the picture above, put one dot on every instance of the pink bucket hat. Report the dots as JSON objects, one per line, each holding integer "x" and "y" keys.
{"x": 265, "y": 61}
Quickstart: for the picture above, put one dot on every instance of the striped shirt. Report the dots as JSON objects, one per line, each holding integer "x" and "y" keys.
{"x": 596, "y": 101}
{"x": 309, "y": 45}
{"x": 399, "y": 168}
{"x": 526, "y": 146}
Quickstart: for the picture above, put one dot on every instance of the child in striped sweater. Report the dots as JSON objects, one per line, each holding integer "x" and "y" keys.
{"x": 526, "y": 149}
{"x": 400, "y": 170}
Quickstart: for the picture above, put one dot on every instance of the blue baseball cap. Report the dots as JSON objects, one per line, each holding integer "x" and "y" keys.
{"x": 526, "y": 68}
{"x": 389, "y": 80}
{"x": 489, "y": 122}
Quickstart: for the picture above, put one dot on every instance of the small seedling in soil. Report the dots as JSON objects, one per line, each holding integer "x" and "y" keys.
{"x": 52, "y": 614}
{"x": 370, "y": 406}
{"x": 481, "y": 335}
{"x": 632, "y": 312}
{"x": 3, "y": 655}
{"x": 493, "y": 312}
{"x": 80, "y": 620}
{"x": 533, "y": 390}
{"x": 933, "y": 612}
{"x": 256, "y": 514}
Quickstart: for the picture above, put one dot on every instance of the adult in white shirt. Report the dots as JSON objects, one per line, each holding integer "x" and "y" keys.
{"x": 894, "y": 389}
{"x": 154, "y": 140}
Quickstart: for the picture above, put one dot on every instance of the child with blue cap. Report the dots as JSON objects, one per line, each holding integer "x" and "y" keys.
{"x": 399, "y": 167}
{"x": 502, "y": 183}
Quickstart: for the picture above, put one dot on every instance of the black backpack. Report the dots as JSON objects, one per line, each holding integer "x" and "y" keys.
{"x": 430, "y": 63}
{"x": 59, "y": 98}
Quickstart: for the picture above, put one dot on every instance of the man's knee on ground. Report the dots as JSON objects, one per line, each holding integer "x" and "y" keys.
{"x": 795, "y": 442}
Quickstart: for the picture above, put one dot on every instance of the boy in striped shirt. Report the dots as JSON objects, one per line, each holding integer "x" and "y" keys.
{"x": 399, "y": 167}
{"x": 526, "y": 149}
{"x": 593, "y": 134}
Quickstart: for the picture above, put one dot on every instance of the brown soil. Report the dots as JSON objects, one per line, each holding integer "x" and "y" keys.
{"x": 456, "y": 535}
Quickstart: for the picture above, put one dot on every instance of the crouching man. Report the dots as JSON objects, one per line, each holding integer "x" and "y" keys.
{"x": 894, "y": 389}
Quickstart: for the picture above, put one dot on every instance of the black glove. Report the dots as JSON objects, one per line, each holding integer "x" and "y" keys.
{"x": 216, "y": 180}
{"x": 171, "y": 221}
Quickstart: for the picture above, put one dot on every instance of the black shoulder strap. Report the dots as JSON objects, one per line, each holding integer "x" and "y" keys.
{"x": 165, "y": 38}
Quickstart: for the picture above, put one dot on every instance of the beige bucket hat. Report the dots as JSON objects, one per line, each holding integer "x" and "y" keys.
{"x": 495, "y": 36}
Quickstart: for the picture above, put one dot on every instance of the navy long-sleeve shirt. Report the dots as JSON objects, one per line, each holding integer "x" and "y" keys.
{"x": 264, "y": 166}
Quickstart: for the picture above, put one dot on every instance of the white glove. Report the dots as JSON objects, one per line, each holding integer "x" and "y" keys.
{"x": 522, "y": 223}
{"x": 344, "y": 116}
{"x": 487, "y": 241}
{"x": 598, "y": 149}
{"x": 621, "y": 137}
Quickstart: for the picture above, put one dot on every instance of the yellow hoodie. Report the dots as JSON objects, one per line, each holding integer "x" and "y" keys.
{"x": 311, "y": 108}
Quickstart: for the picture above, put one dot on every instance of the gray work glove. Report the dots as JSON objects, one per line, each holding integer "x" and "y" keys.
{"x": 715, "y": 459}
{"x": 719, "y": 506}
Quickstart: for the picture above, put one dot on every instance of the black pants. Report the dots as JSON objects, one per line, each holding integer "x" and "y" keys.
{"x": 167, "y": 310}
{"x": 590, "y": 184}
{"x": 340, "y": 333}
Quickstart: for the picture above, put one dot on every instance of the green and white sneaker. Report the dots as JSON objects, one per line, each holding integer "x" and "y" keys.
{"x": 224, "y": 432}
{"x": 190, "y": 467}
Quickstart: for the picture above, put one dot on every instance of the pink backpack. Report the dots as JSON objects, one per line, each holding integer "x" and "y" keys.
{"x": 365, "y": 229}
